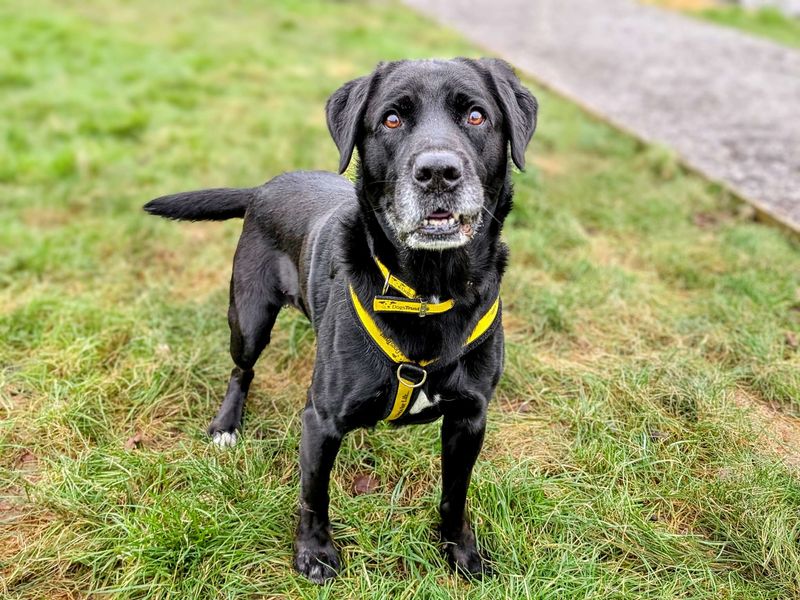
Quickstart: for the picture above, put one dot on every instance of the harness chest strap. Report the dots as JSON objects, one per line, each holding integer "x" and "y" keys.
{"x": 407, "y": 388}
{"x": 412, "y": 303}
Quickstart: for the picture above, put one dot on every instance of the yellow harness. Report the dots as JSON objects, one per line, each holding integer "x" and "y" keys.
{"x": 411, "y": 304}
{"x": 408, "y": 388}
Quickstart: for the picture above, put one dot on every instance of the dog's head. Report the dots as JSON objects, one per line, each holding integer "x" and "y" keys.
{"x": 433, "y": 139}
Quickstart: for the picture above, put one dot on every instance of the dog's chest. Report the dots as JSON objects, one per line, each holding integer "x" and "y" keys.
{"x": 422, "y": 402}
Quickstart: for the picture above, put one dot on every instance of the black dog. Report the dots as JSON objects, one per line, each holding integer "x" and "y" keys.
{"x": 399, "y": 275}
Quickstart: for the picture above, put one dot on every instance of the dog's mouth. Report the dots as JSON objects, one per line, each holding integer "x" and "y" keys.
{"x": 443, "y": 229}
{"x": 443, "y": 223}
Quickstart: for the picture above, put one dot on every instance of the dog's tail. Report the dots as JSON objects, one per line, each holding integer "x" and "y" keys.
{"x": 216, "y": 204}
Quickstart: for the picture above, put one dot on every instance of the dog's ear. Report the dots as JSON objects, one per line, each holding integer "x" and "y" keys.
{"x": 345, "y": 111}
{"x": 518, "y": 105}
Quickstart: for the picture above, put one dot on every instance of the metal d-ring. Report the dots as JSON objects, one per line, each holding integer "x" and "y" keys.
{"x": 406, "y": 382}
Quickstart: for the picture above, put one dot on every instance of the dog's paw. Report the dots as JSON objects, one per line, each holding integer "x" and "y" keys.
{"x": 224, "y": 439}
{"x": 317, "y": 563}
{"x": 465, "y": 560}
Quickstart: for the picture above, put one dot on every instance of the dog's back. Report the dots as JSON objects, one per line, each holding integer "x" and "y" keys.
{"x": 295, "y": 198}
{"x": 290, "y": 223}
{"x": 291, "y": 208}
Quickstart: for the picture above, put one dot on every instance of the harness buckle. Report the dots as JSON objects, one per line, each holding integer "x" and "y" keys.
{"x": 423, "y": 308}
{"x": 423, "y": 375}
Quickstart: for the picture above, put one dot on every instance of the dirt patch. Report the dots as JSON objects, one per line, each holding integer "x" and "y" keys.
{"x": 190, "y": 277}
{"x": 10, "y": 547}
{"x": 49, "y": 217}
{"x": 778, "y": 432}
{"x": 549, "y": 164}
{"x": 28, "y": 466}
{"x": 15, "y": 398}
{"x": 415, "y": 488}
{"x": 677, "y": 516}
{"x": 531, "y": 438}
{"x": 706, "y": 220}
{"x": 20, "y": 523}
{"x": 12, "y": 505}
{"x": 20, "y": 536}
{"x": 791, "y": 340}
{"x": 516, "y": 327}
{"x": 278, "y": 381}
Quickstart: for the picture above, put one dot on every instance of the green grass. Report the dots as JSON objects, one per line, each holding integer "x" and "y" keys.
{"x": 633, "y": 450}
{"x": 766, "y": 22}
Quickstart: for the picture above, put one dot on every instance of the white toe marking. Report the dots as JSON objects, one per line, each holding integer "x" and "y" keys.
{"x": 223, "y": 439}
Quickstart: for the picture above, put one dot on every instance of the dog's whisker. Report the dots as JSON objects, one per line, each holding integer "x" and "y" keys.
{"x": 488, "y": 212}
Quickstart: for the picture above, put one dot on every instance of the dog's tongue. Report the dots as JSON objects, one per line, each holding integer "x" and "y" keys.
{"x": 440, "y": 214}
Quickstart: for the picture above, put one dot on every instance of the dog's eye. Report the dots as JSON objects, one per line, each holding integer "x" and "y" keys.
{"x": 391, "y": 120}
{"x": 476, "y": 117}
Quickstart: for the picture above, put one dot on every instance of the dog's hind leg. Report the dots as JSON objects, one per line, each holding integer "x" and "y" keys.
{"x": 256, "y": 298}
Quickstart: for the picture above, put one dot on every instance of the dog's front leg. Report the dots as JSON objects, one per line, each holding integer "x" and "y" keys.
{"x": 315, "y": 557}
{"x": 462, "y": 439}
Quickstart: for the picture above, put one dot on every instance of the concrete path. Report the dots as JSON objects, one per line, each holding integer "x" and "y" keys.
{"x": 727, "y": 102}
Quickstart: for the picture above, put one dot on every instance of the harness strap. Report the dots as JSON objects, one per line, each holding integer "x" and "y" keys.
{"x": 483, "y": 324}
{"x": 407, "y": 389}
{"x": 384, "y": 342}
{"x": 394, "y": 282}
{"x": 411, "y": 304}
{"x": 416, "y": 306}
{"x": 411, "y": 375}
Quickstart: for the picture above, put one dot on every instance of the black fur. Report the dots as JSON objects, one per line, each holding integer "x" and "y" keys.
{"x": 204, "y": 205}
{"x": 308, "y": 235}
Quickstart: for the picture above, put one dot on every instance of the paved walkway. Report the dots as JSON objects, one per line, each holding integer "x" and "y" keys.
{"x": 727, "y": 102}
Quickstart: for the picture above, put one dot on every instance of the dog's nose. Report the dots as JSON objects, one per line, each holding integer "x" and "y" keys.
{"x": 439, "y": 170}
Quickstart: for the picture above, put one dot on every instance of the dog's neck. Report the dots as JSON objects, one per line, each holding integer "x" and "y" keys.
{"x": 456, "y": 273}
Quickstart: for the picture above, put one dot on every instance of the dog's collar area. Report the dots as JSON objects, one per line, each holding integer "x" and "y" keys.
{"x": 411, "y": 375}
{"x": 410, "y": 303}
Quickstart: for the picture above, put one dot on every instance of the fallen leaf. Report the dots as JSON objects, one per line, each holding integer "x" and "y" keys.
{"x": 365, "y": 484}
{"x": 133, "y": 442}
{"x": 705, "y": 220}
{"x": 29, "y": 465}
{"x": 791, "y": 340}
{"x": 27, "y": 461}
{"x": 657, "y": 436}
